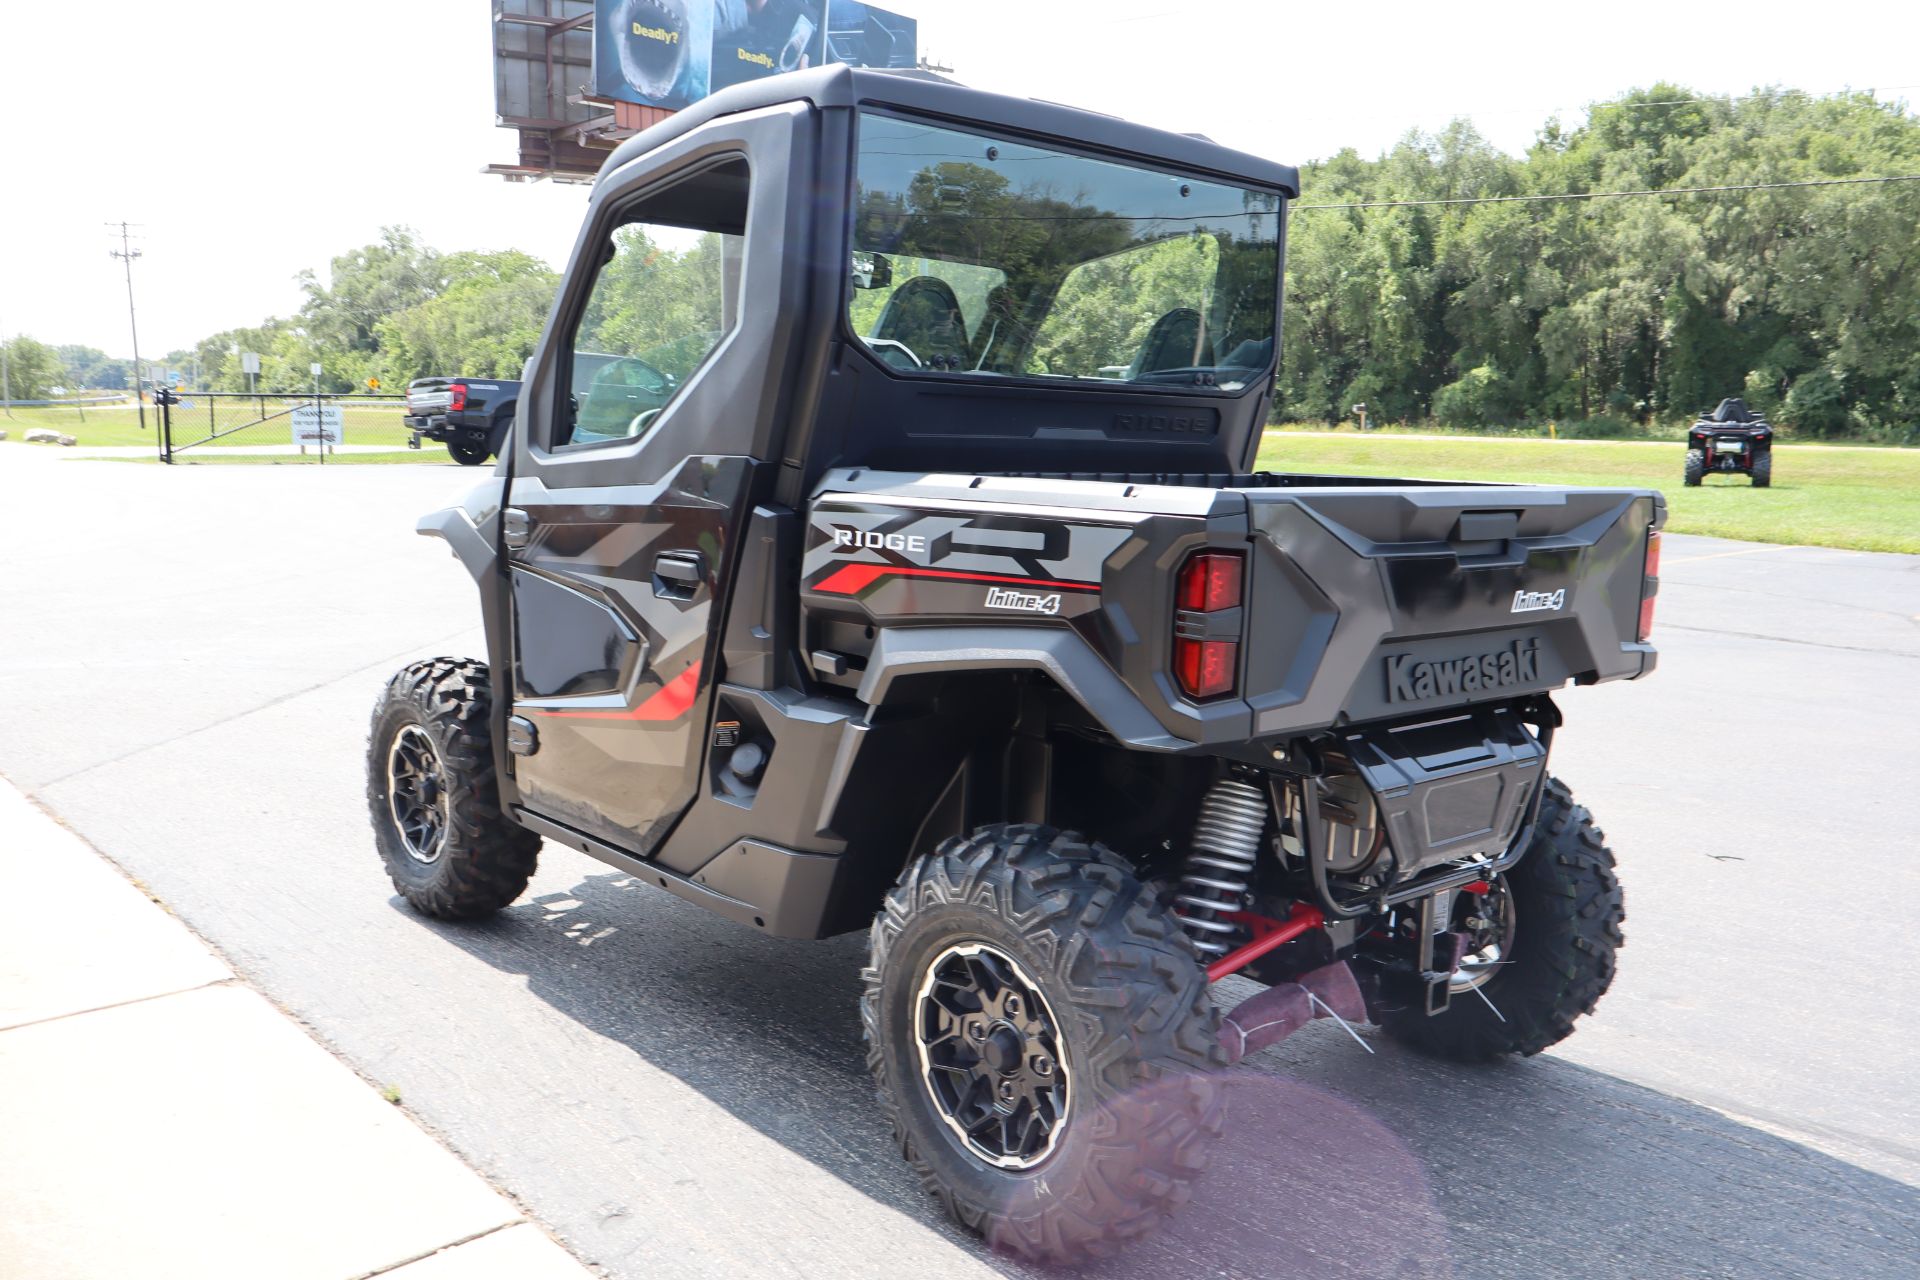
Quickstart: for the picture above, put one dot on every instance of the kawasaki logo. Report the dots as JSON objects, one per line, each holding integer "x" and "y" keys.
{"x": 1411, "y": 679}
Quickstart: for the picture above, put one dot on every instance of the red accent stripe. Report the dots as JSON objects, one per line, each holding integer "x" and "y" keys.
{"x": 852, "y": 579}
{"x": 669, "y": 702}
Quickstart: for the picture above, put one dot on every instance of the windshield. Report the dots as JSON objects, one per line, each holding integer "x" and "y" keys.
{"x": 975, "y": 254}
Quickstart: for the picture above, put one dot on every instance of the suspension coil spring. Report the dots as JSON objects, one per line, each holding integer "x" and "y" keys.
{"x": 1219, "y": 869}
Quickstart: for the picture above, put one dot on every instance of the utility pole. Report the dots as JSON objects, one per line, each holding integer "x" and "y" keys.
{"x": 127, "y": 253}
{"x": 6, "y": 379}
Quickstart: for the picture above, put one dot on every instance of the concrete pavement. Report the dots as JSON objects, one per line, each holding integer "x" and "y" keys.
{"x": 189, "y": 661}
{"x": 159, "y": 1119}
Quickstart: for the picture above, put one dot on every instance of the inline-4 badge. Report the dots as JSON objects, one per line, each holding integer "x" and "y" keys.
{"x": 1539, "y": 601}
{"x": 1023, "y": 601}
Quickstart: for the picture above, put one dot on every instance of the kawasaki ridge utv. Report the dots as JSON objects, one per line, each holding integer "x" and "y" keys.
{"x": 1733, "y": 439}
{"x": 937, "y": 599}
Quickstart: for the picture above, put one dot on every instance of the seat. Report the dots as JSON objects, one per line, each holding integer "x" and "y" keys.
{"x": 1732, "y": 409}
{"x": 1172, "y": 343}
{"x": 923, "y": 315}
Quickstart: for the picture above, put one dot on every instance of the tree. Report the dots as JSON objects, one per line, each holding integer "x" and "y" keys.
{"x": 33, "y": 369}
{"x": 484, "y": 322}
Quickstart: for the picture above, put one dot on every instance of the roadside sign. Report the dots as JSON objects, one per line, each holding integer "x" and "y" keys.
{"x": 316, "y": 424}
{"x": 250, "y": 362}
{"x": 373, "y": 384}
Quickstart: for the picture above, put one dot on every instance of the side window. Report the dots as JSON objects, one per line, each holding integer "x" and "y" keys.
{"x": 666, "y": 294}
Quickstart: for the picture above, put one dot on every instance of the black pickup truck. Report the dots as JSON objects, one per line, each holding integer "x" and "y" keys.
{"x": 880, "y": 548}
{"x": 471, "y": 416}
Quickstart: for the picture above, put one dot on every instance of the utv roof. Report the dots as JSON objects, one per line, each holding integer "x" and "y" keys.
{"x": 924, "y": 93}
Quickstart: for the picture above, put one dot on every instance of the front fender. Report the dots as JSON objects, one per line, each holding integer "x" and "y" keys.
{"x": 472, "y": 529}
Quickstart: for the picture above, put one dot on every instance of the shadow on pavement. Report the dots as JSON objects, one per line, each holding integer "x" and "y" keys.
{"x": 1337, "y": 1163}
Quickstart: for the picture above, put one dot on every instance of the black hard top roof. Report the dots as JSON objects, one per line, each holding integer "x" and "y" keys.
{"x": 928, "y": 94}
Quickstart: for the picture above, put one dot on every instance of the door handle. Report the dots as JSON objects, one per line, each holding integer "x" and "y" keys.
{"x": 678, "y": 574}
{"x": 516, "y": 528}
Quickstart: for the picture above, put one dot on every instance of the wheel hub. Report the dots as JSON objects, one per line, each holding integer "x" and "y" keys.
{"x": 1490, "y": 920}
{"x": 1005, "y": 1049}
{"x": 416, "y": 794}
{"x": 991, "y": 1056}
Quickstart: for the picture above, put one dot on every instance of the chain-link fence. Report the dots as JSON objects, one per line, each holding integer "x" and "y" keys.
{"x": 311, "y": 426}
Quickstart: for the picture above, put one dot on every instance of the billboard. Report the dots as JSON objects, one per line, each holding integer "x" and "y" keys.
{"x": 658, "y": 53}
{"x": 863, "y": 35}
{"x": 670, "y": 53}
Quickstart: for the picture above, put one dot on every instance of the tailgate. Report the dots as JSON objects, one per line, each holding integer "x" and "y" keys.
{"x": 1370, "y": 603}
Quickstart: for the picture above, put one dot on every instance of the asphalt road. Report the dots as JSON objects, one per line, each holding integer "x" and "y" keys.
{"x": 187, "y": 659}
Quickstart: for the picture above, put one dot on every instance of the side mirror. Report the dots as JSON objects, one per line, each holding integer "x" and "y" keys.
{"x": 871, "y": 271}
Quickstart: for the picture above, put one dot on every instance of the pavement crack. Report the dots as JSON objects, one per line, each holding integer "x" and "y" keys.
{"x": 243, "y": 714}
{"x": 229, "y": 980}
{"x": 1787, "y": 595}
{"x": 437, "y": 1250}
{"x": 1812, "y": 644}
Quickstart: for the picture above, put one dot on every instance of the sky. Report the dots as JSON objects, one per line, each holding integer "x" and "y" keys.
{"x": 251, "y": 139}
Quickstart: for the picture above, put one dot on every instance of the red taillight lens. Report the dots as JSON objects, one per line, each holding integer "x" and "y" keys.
{"x": 1205, "y": 664}
{"x": 1649, "y": 585}
{"x": 1206, "y": 667}
{"x": 459, "y": 400}
{"x": 1210, "y": 581}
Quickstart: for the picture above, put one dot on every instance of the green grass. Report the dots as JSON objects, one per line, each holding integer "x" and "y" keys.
{"x": 429, "y": 454}
{"x": 1862, "y": 499}
{"x": 120, "y": 424}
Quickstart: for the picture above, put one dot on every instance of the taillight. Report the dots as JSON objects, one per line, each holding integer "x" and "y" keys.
{"x": 1649, "y": 585}
{"x": 1210, "y": 581}
{"x": 459, "y": 400}
{"x": 1205, "y": 661}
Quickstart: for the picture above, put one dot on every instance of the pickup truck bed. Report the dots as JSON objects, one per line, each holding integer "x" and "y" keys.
{"x": 1365, "y": 600}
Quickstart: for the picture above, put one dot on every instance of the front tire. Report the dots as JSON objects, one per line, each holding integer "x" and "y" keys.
{"x": 1763, "y": 471}
{"x": 434, "y": 798}
{"x": 468, "y": 455}
{"x": 1063, "y": 1131}
{"x": 1560, "y": 910}
{"x": 1696, "y": 467}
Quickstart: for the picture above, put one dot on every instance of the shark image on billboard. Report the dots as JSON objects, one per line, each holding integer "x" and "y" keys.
{"x": 654, "y": 52}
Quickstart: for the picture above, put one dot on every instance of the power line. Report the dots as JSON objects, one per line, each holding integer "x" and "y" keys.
{"x": 1610, "y": 195}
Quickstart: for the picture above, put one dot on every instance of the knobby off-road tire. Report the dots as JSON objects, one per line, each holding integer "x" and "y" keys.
{"x": 1139, "y": 1035}
{"x": 468, "y": 455}
{"x": 1566, "y": 930}
{"x": 482, "y": 860}
{"x": 1763, "y": 471}
{"x": 1696, "y": 467}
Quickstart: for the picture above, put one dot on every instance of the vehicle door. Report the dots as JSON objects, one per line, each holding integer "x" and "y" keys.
{"x": 646, "y": 427}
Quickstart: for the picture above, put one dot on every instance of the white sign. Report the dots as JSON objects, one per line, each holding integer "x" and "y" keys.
{"x": 315, "y": 366}
{"x": 316, "y": 425}
{"x": 249, "y": 362}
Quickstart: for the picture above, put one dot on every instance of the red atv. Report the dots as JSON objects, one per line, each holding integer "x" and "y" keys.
{"x": 1733, "y": 438}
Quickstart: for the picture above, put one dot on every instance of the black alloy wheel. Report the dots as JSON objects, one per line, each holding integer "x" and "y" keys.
{"x": 990, "y": 1052}
{"x": 417, "y": 794}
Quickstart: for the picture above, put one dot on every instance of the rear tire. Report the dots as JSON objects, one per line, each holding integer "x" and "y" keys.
{"x": 434, "y": 798}
{"x": 1137, "y": 1107}
{"x": 468, "y": 455}
{"x": 1763, "y": 471}
{"x": 1696, "y": 467}
{"x": 1567, "y": 912}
